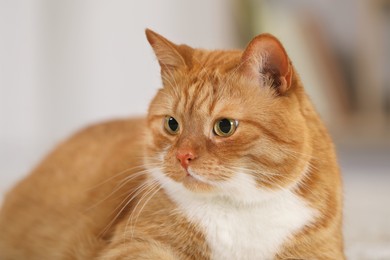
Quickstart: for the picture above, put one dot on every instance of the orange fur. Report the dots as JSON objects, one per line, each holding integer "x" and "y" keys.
{"x": 93, "y": 197}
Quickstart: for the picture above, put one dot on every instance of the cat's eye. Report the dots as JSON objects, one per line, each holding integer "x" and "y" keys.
{"x": 171, "y": 125}
{"x": 225, "y": 127}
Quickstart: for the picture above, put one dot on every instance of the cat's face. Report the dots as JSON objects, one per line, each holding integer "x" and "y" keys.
{"x": 214, "y": 130}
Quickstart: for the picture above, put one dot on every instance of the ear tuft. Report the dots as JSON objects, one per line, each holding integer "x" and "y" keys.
{"x": 167, "y": 53}
{"x": 266, "y": 61}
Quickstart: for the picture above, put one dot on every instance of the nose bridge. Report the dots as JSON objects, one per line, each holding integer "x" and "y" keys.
{"x": 192, "y": 132}
{"x": 191, "y": 138}
{"x": 188, "y": 142}
{"x": 187, "y": 150}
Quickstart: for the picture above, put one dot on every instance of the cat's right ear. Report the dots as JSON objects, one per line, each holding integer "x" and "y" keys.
{"x": 168, "y": 54}
{"x": 266, "y": 61}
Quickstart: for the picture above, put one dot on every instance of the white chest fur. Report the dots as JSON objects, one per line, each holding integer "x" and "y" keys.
{"x": 242, "y": 232}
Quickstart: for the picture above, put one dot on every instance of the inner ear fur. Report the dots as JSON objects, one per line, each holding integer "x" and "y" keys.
{"x": 266, "y": 61}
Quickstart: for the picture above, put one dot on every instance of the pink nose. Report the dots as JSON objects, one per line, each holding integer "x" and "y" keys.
{"x": 185, "y": 157}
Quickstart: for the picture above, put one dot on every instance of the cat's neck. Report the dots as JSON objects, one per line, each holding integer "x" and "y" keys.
{"x": 233, "y": 229}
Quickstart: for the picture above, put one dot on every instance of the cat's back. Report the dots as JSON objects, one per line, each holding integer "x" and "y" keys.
{"x": 69, "y": 198}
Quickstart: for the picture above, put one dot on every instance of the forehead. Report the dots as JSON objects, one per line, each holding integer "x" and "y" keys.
{"x": 206, "y": 82}
{"x": 204, "y": 93}
{"x": 212, "y": 87}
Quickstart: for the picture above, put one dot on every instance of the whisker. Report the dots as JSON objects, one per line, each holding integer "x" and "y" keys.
{"x": 143, "y": 206}
{"x": 134, "y": 194}
{"x": 116, "y": 188}
{"x": 112, "y": 177}
{"x": 151, "y": 187}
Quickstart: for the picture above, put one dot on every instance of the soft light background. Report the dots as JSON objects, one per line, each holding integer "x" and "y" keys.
{"x": 67, "y": 64}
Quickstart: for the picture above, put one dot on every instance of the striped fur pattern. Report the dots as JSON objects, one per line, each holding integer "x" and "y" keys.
{"x": 133, "y": 190}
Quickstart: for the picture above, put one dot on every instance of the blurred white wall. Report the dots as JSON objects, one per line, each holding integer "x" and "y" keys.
{"x": 67, "y": 64}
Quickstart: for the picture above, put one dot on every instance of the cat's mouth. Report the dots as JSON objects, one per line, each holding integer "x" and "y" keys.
{"x": 194, "y": 175}
{"x": 196, "y": 182}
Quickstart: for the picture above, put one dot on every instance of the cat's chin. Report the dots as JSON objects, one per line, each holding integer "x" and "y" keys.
{"x": 193, "y": 183}
{"x": 186, "y": 179}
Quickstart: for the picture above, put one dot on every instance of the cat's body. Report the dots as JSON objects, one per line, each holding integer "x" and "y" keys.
{"x": 131, "y": 189}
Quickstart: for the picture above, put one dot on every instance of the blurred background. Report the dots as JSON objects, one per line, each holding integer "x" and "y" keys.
{"x": 67, "y": 64}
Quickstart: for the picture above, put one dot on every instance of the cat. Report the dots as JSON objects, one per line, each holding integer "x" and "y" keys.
{"x": 231, "y": 162}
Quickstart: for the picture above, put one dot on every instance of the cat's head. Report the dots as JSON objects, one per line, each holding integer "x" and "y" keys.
{"x": 226, "y": 123}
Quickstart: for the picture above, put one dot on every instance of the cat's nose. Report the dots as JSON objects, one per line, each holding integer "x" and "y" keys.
{"x": 185, "y": 157}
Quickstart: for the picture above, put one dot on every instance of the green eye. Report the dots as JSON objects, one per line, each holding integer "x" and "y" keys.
{"x": 171, "y": 125}
{"x": 225, "y": 127}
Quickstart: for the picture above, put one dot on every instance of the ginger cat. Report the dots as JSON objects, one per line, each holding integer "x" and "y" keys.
{"x": 232, "y": 162}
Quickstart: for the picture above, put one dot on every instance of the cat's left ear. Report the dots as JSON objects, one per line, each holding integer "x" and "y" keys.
{"x": 169, "y": 55}
{"x": 266, "y": 61}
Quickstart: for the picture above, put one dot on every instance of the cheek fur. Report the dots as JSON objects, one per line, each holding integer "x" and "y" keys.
{"x": 277, "y": 165}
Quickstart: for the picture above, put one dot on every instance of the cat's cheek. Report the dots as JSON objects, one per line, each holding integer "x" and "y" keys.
{"x": 171, "y": 167}
{"x": 157, "y": 145}
{"x": 174, "y": 175}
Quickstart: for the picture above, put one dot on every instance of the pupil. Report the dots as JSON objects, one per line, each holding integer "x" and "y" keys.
{"x": 173, "y": 125}
{"x": 225, "y": 126}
